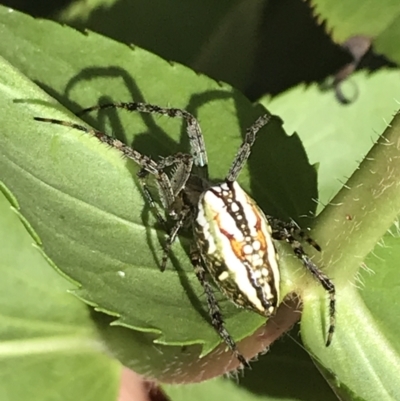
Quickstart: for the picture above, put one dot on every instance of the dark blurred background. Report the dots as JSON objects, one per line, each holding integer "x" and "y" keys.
{"x": 288, "y": 45}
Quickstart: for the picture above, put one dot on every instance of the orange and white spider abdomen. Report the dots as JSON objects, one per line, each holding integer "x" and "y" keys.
{"x": 234, "y": 240}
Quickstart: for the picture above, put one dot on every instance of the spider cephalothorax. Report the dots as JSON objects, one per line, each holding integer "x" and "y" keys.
{"x": 232, "y": 237}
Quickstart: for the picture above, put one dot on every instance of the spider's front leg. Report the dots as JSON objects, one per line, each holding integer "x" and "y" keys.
{"x": 173, "y": 234}
{"x": 213, "y": 307}
{"x": 196, "y": 140}
{"x": 170, "y": 193}
{"x": 283, "y": 231}
{"x": 169, "y": 189}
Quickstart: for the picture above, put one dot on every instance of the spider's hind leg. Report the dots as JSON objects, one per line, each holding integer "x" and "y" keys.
{"x": 283, "y": 231}
{"x": 214, "y": 311}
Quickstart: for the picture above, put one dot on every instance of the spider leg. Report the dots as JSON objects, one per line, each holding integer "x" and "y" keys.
{"x": 144, "y": 161}
{"x": 293, "y": 228}
{"x": 172, "y": 235}
{"x": 214, "y": 311}
{"x": 69, "y": 124}
{"x": 169, "y": 188}
{"x": 183, "y": 163}
{"x": 180, "y": 175}
{"x": 142, "y": 175}
{"x": 282, "y": 231}
{"x": 245, "y": 148}
{"x": 198, "y": 149}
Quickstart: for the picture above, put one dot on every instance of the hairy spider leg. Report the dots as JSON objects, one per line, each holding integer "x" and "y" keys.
{"x": 214, "y": 311}
{"x": 142, "y": 175}
{"x": 294, "y": 229}
{"x": 282, "y": 231}
{"x": 196, "y": 140}
{"x": 177, "y": 181}
{"x": 183, "y": 164}
{"x": 172, "y": 235}
{"x": 245, "y": 148}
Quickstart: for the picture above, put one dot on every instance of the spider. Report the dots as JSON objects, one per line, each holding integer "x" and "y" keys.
{"x": 232, "y": 237}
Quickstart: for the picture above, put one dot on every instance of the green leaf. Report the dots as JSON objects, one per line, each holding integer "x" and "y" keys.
{"x": 377, "y": 19}
{"x": 48, "y": 343}
{"x": 89, "y": 210}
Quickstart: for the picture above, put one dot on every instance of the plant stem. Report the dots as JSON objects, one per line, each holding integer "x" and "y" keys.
{"x": 351, "y": 225}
